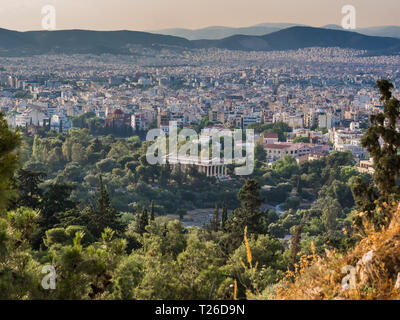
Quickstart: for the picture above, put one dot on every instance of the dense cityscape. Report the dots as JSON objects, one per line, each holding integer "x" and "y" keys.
{"x": 324, "y": 95}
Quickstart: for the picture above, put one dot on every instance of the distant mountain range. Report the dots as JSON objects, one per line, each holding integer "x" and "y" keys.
{"x": 304, "y": 37}
{"x": 13, "y": 43}
{"x": 217, "y": 33}
{"x": 384, "y": 31}
{"x": 81, "y": 41}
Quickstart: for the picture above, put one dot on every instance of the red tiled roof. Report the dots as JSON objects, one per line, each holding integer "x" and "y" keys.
{"x": 276, "y": 146}
{"x": 271, "y": 135}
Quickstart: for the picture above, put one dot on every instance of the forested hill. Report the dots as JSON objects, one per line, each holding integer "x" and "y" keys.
{"x": 82, "y": 41}
{"x": 15, "y": 43}
{"x": 303, "y": 37}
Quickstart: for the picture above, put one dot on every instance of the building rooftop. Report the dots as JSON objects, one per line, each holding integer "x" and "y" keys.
{"x": 271, "y": 135}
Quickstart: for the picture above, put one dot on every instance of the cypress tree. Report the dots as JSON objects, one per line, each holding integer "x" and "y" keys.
{"x": 104, "y": 199}
{"x": 383, "y": 126}
{"x": 152, "y": 215}
{"x": 215, "y": 220}
{"x": 143, "y": 221}
{"x": 224, "y": 217}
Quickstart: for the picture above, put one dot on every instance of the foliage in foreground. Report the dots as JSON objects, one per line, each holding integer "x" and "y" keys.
{"x": 370, "y": 271}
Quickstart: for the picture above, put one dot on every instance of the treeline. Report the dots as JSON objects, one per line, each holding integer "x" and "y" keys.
{"x": 97, "y": 126}
{"x": 77, "y": 158}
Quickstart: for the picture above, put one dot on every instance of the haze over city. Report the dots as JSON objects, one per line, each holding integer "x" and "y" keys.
{"x": 23, "y": 15}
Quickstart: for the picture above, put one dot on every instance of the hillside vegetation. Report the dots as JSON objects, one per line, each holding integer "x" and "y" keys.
{"x": 369, "y": 271}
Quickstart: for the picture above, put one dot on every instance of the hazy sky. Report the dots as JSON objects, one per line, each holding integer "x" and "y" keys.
{"x": 158, "y": 14}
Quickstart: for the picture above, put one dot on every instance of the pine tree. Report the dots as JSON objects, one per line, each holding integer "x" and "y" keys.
{"x": 249, "y": 196}
{"x": 364, "y": 195}
{"x": 383, "y": 126}
{"x": 56, "y": 199}
{"x": 30, "y": 195}
{"x": 249, "y": 215}
{"x": 9, "y": 141}
{"x": 103, "y": 215}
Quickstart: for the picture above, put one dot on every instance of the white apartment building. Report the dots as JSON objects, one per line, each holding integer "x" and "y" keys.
{"x": 276, "y": 151}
